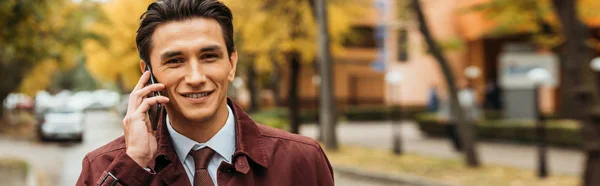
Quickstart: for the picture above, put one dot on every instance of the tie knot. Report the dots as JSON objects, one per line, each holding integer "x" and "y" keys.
{"x": 202, "y": 157}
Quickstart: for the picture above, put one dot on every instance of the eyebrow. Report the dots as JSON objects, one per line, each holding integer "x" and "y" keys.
{"x": 210, "y": 48}
{"x": 170, "y": 54}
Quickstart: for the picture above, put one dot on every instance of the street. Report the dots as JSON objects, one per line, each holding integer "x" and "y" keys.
{"x": 59, "y": 164}
{"x": 379, "y": 135}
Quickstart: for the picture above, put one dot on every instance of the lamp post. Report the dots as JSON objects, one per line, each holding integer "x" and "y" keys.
{"x": 316, "y": 80}
{"x": 393, "y": 79}
{"x": 472, "y": 73}
{"x": 539, "y": 76}
{"x": 237, "y": 83}
{"x": 595, "y": 64}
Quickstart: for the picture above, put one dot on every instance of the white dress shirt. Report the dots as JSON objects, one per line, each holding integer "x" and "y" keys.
{"x": 223, "y": 143}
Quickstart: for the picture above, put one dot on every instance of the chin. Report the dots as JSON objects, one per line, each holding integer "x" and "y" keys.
{"x": 200, "y": 115}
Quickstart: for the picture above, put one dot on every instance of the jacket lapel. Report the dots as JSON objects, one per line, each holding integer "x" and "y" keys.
{"x": 168, "y": 167}
{"x": 249, "y": 142}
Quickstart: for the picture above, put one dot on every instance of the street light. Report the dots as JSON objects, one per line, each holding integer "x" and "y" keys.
{"x": 394, "y": 78}
{"x": 237, "y": 83}
{"x": 595, "y": 64}
{"x": 316, "y": 81}
{"x": 540, "y": 76}
{"x": 472, "y": 73}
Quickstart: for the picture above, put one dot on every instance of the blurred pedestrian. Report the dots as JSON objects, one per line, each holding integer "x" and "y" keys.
{"x": 433, "y": 103}
{"x": 492, "y": 96}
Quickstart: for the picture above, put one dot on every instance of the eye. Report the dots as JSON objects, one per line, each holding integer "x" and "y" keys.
{"x": 210, "y": 57}
{"x": 174, "y": 61}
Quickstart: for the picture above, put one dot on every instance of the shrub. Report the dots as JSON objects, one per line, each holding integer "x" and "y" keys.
{"x": 558, "y": 132}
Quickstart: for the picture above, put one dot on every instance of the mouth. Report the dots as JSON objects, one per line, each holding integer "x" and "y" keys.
{"x": 197, "y": 95}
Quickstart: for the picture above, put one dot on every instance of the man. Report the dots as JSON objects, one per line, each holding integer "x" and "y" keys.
{"x": 203, "y": 138}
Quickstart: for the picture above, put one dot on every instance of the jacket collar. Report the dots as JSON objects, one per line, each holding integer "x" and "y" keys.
{"x": 248, "y": 143}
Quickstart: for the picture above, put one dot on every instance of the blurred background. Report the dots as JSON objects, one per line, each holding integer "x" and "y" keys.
{"x": 410, "y": 92}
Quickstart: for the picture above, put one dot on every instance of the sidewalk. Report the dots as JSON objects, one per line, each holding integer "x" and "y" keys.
{"x": 379, "y": 135}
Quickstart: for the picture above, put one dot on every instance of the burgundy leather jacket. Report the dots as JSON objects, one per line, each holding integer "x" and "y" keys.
{"x": 264, "y": 156}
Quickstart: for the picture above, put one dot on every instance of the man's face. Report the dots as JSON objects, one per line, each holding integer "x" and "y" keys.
{"x": 190, "y": 58}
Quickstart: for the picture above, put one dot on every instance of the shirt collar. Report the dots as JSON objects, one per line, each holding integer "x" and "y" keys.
{"x": 223, "y": 142}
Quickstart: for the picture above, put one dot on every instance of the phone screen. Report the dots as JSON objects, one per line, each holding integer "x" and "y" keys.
{"x": 154, "y": 111}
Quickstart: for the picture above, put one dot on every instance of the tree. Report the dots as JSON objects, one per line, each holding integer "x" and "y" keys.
{"x": 327, "y": 104}
{"x": 538, "y": 20}
{"x": 38, "y": 38}
{"x": 563, "y": 23}
{"x": 575, "y": 56}
{"x": 116, "y": 59}
{"x": 464, "y": 127}
{"x": 285, "y": 32}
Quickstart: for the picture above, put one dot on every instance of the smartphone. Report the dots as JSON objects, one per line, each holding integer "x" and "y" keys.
{"x": 154, "y": 111}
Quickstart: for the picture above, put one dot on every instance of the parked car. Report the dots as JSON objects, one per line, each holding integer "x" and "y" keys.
{"x": 62, "y": 124}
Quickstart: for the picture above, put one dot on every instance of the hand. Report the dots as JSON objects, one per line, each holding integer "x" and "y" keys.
{"x": 140, "y": 139}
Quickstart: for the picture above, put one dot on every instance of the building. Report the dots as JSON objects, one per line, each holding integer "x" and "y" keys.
{"x": 357, "y": 83}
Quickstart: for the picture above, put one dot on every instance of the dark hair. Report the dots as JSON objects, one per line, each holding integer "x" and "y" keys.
{"x": 163, "y": 11}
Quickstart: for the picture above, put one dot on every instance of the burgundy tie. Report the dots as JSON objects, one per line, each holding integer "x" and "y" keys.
{"x": 201, "y": 159}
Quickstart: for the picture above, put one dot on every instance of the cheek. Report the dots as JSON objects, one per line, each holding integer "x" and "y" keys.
{"x": 172, "y": 81}
{"x": 219, "y": 73}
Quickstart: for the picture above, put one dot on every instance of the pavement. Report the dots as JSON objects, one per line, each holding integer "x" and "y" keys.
{"x": 59, "y": 164}
{"x": 379, "y": 135}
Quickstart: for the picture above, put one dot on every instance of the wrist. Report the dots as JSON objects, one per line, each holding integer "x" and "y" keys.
{"x": 141, "y": 160}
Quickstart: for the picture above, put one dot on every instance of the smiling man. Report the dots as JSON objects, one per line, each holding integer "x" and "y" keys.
{"x": 202, "y": 138}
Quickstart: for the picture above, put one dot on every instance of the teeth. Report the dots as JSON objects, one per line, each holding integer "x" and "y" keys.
{"x": 198, "y": 95}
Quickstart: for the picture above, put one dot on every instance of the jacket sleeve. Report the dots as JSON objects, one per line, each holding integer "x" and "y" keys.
{"x": 122, "y": 171}
{"x": 324, "y": 170}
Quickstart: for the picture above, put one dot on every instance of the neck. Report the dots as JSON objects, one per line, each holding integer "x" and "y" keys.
{"x": 199, "y": 131}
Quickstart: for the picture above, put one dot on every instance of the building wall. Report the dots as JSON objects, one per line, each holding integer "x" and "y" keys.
{"x": 356, "y": 83}
{"x": 421, "y": 71}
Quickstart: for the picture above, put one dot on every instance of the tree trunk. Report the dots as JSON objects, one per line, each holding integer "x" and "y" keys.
{"x": 252, "y": 88}
{"x": 11, "y": 75}
{"x": 275, "y": 76}
{"x": 567, "y": 108}
{"x": 464, "y": 128}
{"x": 577, "y": 55}
{"x": 293, "y": 110}
{"x": 327, "y": 111}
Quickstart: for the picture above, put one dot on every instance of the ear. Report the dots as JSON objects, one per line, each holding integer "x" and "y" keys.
{"x": 142, "y": 66}
{"x": 233, "y": 59}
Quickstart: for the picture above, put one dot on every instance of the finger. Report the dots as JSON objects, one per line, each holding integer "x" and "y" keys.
{"x": 136, "y": 96}
{"x": 139, "y": 95}
{"x": 148, "y": 102}
{"x": 149, "y": 124}
{"x": 141, "y": 82}
{"x": 145, "y": 109}
{"x": 143, "y": 79}
{"x": 142, "y": 93}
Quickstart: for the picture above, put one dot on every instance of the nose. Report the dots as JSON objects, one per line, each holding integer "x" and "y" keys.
{"x": 195, "y": 75}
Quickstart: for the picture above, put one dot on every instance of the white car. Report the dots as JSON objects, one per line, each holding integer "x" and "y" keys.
{"x": 62, "y": 124}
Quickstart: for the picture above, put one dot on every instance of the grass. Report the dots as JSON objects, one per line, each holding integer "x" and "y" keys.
{"x": 13, "y": 171}
{"x": 18, "y": 124}
{"x": 443, "y": 170}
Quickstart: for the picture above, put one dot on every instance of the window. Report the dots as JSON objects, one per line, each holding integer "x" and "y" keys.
{"x": 402, "y": 45}
{"x": 360, "y": 37}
